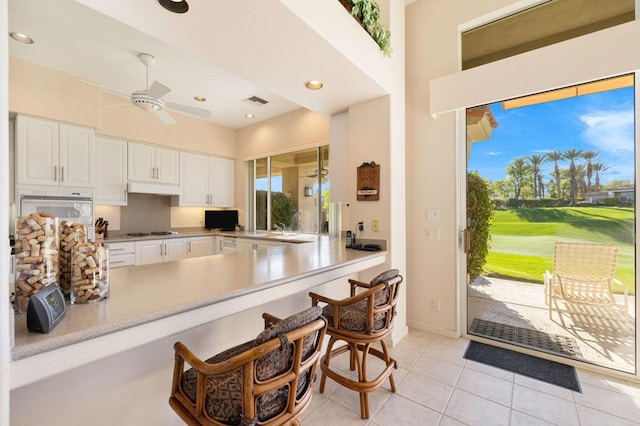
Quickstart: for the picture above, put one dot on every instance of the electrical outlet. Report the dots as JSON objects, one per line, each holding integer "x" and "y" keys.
{"x": 375, "y": 225}
{"x": 435, "y": 305}
{"x": 361, "y": 226}
{"x": 433, "y": 234}
{"x": 433, "y": 215}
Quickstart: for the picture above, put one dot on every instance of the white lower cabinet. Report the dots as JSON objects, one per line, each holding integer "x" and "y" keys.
{"x": 155, "y": 251}
{"x": 121, "y": 254}
{"x": 244, "y": 244}
{"x": 200, "y": 246}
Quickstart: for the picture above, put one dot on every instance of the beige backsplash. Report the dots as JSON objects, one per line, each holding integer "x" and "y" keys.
{"x": 146, "y": 213}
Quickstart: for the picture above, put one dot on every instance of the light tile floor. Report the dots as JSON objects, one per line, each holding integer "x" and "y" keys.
{"x": 436, "y": 386}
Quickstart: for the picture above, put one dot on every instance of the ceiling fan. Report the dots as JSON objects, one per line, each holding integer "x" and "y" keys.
{"x": 150, "y": 99}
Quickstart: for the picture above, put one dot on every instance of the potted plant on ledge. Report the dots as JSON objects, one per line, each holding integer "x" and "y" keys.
{"x": 367, "y": 13}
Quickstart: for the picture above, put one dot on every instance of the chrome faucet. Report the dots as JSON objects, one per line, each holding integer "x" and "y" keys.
{"x": 279, "y": 227}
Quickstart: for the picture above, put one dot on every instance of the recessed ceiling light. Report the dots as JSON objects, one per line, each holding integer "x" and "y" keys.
{"x": 249, "y": 115}
{"x": 314, "y": 85}
{"x": 22, "y": 38}
{"x": 200, "y": 98}
{"x": 175, "y": 6}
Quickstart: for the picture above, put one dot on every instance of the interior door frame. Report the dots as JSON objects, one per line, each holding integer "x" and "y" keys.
{"x": 462, "y": 293}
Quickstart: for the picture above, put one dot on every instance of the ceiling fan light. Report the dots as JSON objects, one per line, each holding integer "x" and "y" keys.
{"x": 249, "y": 115}
{"x": 175, "y": 6}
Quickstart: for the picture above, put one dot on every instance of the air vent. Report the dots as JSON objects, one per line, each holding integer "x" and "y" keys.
{"x": 256, "y": 101}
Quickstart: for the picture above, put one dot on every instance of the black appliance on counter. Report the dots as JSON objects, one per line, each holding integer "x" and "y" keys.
{"x": 224, "y": 220}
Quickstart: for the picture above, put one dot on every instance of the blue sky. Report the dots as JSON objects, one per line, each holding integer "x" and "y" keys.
{"x": 600, "y": 122}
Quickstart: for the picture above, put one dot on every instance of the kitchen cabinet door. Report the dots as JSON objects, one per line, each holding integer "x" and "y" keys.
{"x": 174, "y": 249}
{"x": 37, "y": 144}
{"x": 111, "y": 172}
{"x": 142, "y": 162}
{"x": 76, "y": 160}
{"x": 200, "y": 246}
{"x": 194, "y": 178}
{"x": 167, "y": 166}
{"x": 222, "y": 181}
{"x": 244, "y": 245}
{"x": 149, "y": 252}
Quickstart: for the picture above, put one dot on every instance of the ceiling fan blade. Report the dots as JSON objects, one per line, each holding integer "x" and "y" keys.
{"x": 157, "y": 90}
{"x": 198, "y": 112}
{"x": 164, "y": 116}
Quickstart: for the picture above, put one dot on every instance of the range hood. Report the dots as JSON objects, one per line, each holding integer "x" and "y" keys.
{"x": 153, "y": 188}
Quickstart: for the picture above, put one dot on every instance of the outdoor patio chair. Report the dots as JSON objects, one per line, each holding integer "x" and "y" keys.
{"x": 581, "y": 282}
{"x": 267, "y": 381}
{"x": 360, "y": 320}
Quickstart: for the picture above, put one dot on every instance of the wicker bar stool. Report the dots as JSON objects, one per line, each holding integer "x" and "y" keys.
{"x": 364, "y": 318}
{"x": 266, "y": 381}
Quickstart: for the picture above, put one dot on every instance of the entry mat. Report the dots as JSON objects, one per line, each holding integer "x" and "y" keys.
{"x": 525, "y": 365}
{"x": 550, "y": 343}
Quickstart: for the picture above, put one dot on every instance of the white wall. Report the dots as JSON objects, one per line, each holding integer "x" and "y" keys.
{"x": 5, "y": 308}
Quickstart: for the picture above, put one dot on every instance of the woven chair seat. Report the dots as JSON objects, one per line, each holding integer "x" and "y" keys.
{"x": 224, "y": 399}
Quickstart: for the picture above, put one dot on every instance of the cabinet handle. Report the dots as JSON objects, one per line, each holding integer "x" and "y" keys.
{"x": 113, "y": 262}
{"x": 153, "y": 173}
{"x": 189, "y": 246}
{"x": 115, "y": 249}
{"x": 125, "y": 195}
{"x": 62, "y": 174}
{"x": 55, "y": 173}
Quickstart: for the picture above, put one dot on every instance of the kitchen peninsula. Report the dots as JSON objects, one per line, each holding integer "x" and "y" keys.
{"x": 152, "y": 302}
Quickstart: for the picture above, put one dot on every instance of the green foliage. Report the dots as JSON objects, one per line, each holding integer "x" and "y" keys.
{"x": 367, "y": 13}
{"x": 283, "y": 211}
{"x": 610, "y": 201}
{"x": 480, "y": 213}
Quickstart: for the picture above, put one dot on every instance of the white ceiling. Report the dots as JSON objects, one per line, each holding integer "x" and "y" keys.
{"x": 224, "y": 50}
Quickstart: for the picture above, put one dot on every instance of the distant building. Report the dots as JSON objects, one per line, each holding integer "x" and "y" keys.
{"x": 624, "y": 196}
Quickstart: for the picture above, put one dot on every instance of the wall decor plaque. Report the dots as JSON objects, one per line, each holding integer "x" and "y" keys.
{"x": 368, "y": 182}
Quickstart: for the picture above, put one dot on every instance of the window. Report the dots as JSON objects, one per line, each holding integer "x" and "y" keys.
{"x": 542, "y": 25}
{"x": 291, "y": 191}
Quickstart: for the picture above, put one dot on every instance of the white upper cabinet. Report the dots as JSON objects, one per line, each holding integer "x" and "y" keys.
{"x": 49, "y": 153}
{"x": 148, "y": 163}
{"x": 194, "y": 172}
{"x": 207, "y": 181}
{"x": 111, "y": 172}
{"x": 222, "y": 175}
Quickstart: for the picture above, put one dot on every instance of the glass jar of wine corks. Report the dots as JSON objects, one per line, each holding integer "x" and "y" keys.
{"x": 89, "y": 273}
{"x": 36, "y": 247}
{"x": 71, "y": 234}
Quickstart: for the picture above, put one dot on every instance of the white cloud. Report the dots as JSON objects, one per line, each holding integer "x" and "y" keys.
{"x": 494, "y": 153}
{"x": 609, "y": 131}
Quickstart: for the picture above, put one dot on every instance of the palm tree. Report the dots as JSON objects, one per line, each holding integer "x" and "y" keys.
{"x": 535, "y": 161}
{"x": 571, "y": 155}
{"x": 555, "y": 156}
{"x": 589, "y": 155}
{"x": 518, "y": 172}
{"x": 598, "y": 168}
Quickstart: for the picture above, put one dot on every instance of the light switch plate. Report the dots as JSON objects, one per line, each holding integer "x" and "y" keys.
{"x": 433, "y": 215}
{"x": 433, "y": 234}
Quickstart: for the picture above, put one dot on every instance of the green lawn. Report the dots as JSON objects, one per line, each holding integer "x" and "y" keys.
{"x": 522, "y": 239}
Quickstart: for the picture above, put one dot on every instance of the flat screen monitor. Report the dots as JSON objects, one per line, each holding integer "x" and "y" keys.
{"x": 224, "y": 220}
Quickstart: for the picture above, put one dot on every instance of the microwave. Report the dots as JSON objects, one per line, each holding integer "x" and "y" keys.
{"x": 69, "y": 205}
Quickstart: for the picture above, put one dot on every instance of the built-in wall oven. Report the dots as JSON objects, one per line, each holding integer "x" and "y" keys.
{"x": 65, "y": 204}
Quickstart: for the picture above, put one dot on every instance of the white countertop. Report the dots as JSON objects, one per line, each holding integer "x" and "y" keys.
{"x": 150, "y": 301}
